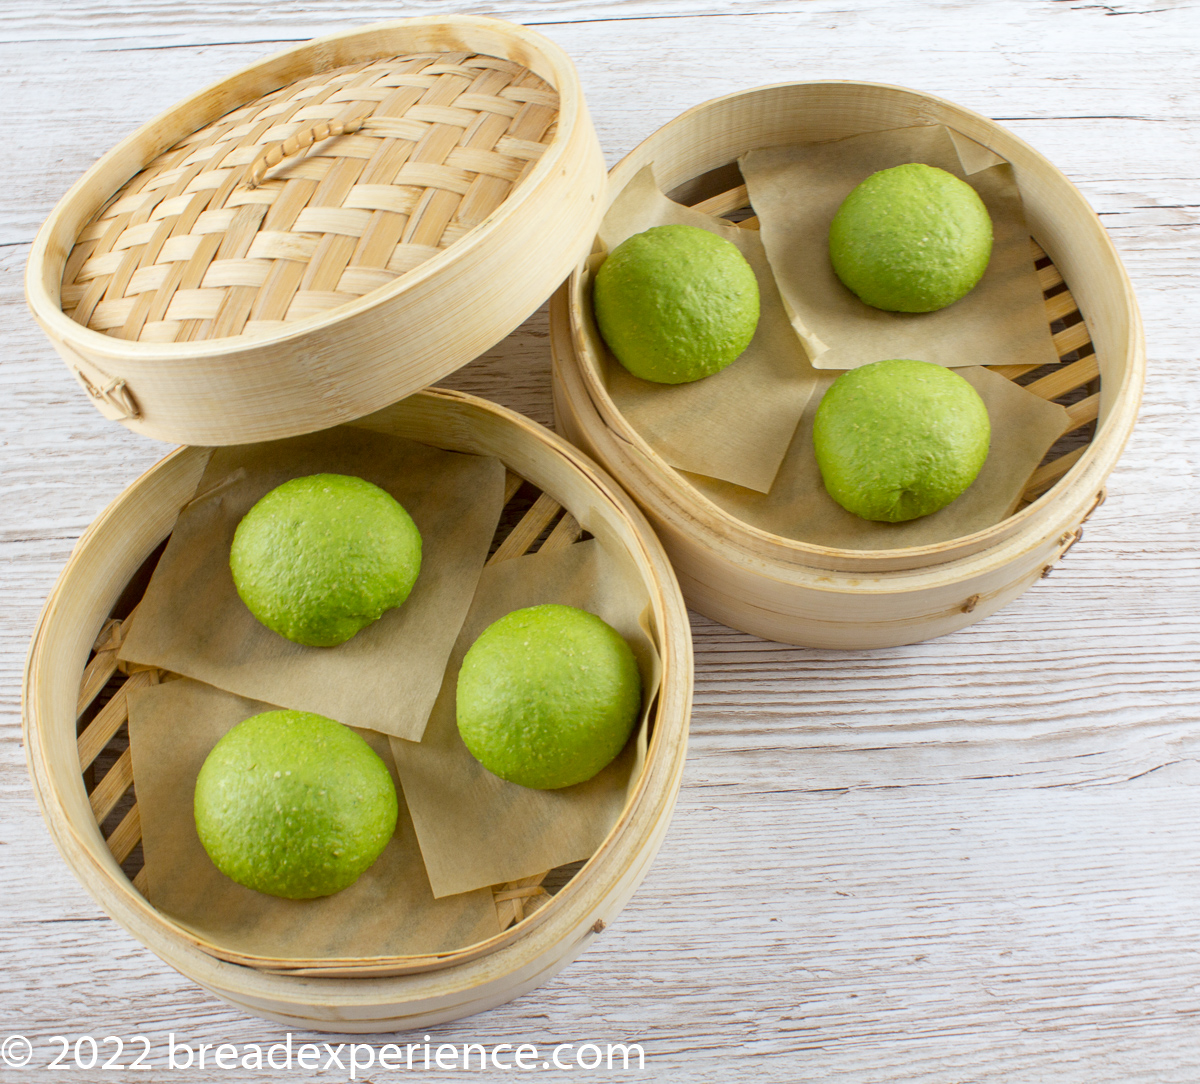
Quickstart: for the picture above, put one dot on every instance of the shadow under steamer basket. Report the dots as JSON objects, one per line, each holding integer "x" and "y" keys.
{"x": 81, "y": 777}
{"x": 787, "y": 590}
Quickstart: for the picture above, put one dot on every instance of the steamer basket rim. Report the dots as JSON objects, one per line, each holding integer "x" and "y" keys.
{"x": 1126, "y": 397}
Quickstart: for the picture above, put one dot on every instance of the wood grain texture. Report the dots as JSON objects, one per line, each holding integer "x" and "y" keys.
{"x": 973, "y": 859}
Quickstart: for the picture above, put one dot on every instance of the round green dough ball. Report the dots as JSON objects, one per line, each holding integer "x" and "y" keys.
{"x": 547, "y": 696}
{"x": 913, "y": 238}
{"x": 899, "y": 439}
{"x": 293, "y": 804}
{"x": 319, "y": 558}
{"x": 676, "y": 303}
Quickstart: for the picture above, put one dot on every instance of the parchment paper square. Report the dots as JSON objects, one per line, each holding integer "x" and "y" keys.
{"x": 386, "y": 678}
{"x": 389, "y": 911}
{"x": 736, "y": 424}
{"x": 796, "y": 190}
{"x": 477, "y": 829}
{"x": 1024, "y": 426}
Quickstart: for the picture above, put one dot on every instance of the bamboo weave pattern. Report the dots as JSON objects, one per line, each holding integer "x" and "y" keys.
{"x": 190, "y": 249}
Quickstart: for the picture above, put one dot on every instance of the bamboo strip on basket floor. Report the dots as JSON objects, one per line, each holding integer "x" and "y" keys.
{"x": 529, "y": 518}
{"x": 1073, "y": 384}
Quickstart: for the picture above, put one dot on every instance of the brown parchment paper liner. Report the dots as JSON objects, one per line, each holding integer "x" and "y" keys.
{"x": 1024, "y": 426}
{"x": 387, "y": 677}
{"x": 737, "y": 424}
{"x": 796, "y": 191}
{"x": 389, "y": 911}
{"x": 474, "y": 828}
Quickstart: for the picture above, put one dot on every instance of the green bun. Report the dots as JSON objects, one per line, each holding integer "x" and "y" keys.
{"x": 293, "y": 804}
{"x": 913, "y": 238}
{"x": 547, "y": 696}
{"x": 321, "y": 557}
{"x": 899, "y": 439}
{"x": 676, "y": 303}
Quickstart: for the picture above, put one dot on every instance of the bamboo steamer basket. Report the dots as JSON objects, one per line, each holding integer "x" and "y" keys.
{"x": 323, "y": 232}
{"x": 799, "y": 593}
{"x": 82, "y": 770}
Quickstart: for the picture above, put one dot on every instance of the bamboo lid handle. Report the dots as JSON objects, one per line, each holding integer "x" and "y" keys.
{"x": 297, "y": 143}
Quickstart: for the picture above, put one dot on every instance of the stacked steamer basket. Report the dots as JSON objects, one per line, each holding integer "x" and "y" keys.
{"x": 84, "y": 780}
{"x": 795, "y": 592}
{"x": 297, "y": 246}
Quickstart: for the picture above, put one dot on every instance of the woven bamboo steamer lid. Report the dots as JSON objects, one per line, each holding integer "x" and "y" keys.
{"x": 795, "y": 592}
{"x": 323, "y": 232}
{"x": 73, "y": 657}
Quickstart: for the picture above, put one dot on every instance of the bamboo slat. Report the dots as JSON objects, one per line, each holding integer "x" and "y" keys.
{"x": 536, "y": 520}
{"x": 565, "y": 532}
{"x": 1086, "y": 410}
{"x": 109, "y": 720}
{"x": 1075, "y": 337}
{"x": 512, "y": 482}
{"x": 127, "y": 834}
{"x": 104, "y": 662}
{"x": 99, "y": 670}
{"x": 1049, "y": 473}
{"x": 1062, "y": 381}
{"x": 1013, "y": 372}
{"x": 1060, "y": 305}
{"x": 115, "y": 783}
{"x": 518, "y": 898}
{"x": 1048, "y": 277}
{"x": 725, "y": 203}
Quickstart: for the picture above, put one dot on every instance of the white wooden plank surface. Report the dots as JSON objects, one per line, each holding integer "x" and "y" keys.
{"x": 969, "y": 860}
